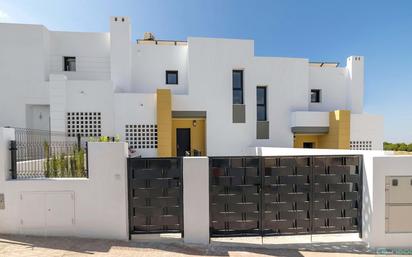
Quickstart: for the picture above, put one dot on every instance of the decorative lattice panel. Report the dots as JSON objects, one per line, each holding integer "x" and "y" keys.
{"x": 87, "y": 124}
{"x": 142, "y": 136}
{"x": 361, "y": 145}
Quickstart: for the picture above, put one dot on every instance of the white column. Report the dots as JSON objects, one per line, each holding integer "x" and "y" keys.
{"x": 57, "y": 102}
{"x": 120, "y": 53}
{"x": 6, "y": 134}
{"x": 196, "y": 200}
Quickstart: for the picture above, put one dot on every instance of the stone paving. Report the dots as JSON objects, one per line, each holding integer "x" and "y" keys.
{"x": 12, "y": 245}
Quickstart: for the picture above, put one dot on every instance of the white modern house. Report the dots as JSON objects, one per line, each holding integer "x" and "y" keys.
{"x": 205, "y": 96}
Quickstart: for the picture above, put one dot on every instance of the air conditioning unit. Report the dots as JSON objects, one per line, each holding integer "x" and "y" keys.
{"x": 149, "y": 36}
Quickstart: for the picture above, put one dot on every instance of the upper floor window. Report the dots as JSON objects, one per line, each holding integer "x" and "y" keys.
{"x": 315, "y": 95}
{"x": 172, "y": 77}
{"x": 261, "y": 103}
{"x": 237, "y": 83}
{"x": 69, "y": 63}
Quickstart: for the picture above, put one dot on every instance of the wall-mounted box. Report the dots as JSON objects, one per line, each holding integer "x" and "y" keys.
{"x": 398, "y": 204}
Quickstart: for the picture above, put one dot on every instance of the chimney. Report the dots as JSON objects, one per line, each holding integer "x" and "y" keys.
{"x": 120, "y": 53}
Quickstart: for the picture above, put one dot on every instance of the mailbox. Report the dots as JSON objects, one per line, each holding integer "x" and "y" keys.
{"x": 398, "y": 204}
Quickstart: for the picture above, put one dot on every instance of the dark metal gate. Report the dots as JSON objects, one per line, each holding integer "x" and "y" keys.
{"x": 155, "y": 195}
{"x": 285, "y": 195}
{"x": 235, "y": 202}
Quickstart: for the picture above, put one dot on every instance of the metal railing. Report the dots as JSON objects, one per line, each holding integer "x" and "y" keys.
{"x": 42, "y": 154}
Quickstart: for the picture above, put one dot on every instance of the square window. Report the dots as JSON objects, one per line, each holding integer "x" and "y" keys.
{"x": 69, "y": 63}
{"x": 315, "y": 95}
{"x": 172, "y": 77}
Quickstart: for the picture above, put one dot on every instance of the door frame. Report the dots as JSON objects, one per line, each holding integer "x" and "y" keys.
{"x": 177, "y": 139}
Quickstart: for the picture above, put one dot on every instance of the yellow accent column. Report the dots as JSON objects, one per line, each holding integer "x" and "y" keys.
{"x": 339, "y": 131}
{"x": 164, "y": 123}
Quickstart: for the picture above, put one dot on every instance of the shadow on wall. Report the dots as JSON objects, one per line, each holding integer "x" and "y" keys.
{"x": 367, "y": 201}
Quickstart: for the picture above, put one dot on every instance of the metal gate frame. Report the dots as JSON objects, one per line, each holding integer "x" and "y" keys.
{"x": 166, "y": 176}
{"x": 352, "y": 160}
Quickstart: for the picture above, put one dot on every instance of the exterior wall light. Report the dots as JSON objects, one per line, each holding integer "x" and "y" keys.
{"x": 194, "y": 123}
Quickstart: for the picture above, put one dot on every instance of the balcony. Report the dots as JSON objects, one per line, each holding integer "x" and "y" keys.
{"x": 304, "y": 122}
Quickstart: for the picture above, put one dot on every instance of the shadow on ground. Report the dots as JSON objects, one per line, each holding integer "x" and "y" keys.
{"x": 97, "y": 246}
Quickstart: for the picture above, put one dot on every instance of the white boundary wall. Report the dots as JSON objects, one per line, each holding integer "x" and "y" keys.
{"x": 97, "y": 205}
{"x": 376, "y": 169}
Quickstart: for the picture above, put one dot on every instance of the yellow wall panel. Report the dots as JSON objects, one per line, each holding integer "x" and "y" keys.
{"x": 164, "y": 122}
{"x": 300, "y": 139}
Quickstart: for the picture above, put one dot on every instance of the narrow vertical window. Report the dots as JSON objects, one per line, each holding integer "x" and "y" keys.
{"x": 237, "y": 82}
{"x": 261, "y": 104}
{"x": 69, "y": 63}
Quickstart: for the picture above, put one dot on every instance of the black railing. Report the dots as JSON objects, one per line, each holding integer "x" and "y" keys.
{"x": 42, "y": 154}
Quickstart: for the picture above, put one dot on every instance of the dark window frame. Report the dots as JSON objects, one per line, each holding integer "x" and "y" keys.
{"x": 172, "y": 72}
{"x": 318, "y": 93}
{"x": 262, "y": 105}
{"x": 66, "y": 60}
{"x": 238, "y": 89}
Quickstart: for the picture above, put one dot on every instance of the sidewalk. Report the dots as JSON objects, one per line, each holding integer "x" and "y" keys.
{"x": 11, "y": 245}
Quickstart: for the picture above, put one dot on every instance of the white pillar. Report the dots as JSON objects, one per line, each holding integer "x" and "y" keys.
{"x": 196, "y": 200}
{"x": 120, "y": 53}
{"x": 6, "y": 134}
{"x": 57, "y": 102}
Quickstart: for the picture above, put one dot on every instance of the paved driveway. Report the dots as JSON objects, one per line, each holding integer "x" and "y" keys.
{"x": 61, "y": 246}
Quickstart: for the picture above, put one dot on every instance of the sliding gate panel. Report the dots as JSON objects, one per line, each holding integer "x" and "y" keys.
{"x": 235, "y": 196}
{"x": 155, "y": 195}
{"x": 286, "y": 195}
{"x": 337, "y": 194}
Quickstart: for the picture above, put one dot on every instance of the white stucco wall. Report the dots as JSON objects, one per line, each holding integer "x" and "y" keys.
{"x": 92, "y": 96}
{"x": 92, "y": 52}
{"x": 309, "y": 119}
{"x": 98, "y": 204}
{"x": 376, "y": 169}
{"x": 23, "y": 70}
{"x": 149, "y": 65}
{"x": 366, "y": 127}
{"x": 332, "y": 83}
{"x": 135, "y": 109}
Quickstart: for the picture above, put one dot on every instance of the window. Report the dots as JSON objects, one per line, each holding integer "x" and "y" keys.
{"x": 69, "y": 63}
{"x": 171, "y": 77}
{"x": 261, "y": 103}
{"x": 315, "y": 96}
{"x": 237, "y": 82}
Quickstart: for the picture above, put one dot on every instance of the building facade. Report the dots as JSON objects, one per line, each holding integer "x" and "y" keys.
{"x": 166, "y": 98}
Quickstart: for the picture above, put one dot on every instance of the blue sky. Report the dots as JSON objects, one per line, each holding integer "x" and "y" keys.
{"x": 324, "y": 30}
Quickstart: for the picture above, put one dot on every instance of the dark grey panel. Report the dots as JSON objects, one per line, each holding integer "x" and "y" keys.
{"x": 310, "y": 130}
{"x": 262, "y": 130}
{"x": 239, "y": 114}
{"x": 188, "y": 114}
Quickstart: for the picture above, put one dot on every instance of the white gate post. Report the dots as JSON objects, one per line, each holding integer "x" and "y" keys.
{"x": 196, "y": 200}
